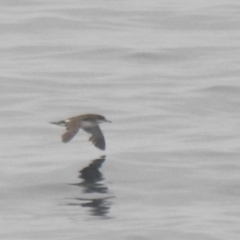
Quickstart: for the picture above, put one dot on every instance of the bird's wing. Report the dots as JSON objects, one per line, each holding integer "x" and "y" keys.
{"x": 72, "y": 128}
{"x": 96, "y": 137}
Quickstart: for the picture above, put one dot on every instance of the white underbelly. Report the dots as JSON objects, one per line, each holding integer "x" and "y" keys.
{"x": 86, "y": 124}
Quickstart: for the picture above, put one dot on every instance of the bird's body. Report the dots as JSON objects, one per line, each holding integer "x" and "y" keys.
{"x": 87, "y": 122}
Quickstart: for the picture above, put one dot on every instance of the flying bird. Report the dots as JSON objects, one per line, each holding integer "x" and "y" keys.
{"x": 89, "y": 123}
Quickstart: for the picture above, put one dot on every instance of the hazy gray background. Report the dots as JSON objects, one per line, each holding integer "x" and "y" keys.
{"x": 166, "y": 73}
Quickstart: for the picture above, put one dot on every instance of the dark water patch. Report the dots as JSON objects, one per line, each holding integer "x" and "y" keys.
{"x": 99, "y": 53}
{"x": 37, "y": 24}
{"x": 226, "y": 90}
{"x": 30, "y": 51}
{"x": 201, "y": 19}
{"x": 27, "y": 86}
{"x": 179, "y": 54}
{"x": 214, "y": 137}
{"x": 72, "y": 75}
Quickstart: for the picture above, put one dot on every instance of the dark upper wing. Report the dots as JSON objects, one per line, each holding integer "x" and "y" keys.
{"x": 72, "y": 128}
{"x": 96, "y": 137}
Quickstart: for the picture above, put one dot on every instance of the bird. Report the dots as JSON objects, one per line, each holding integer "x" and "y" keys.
{"x": 89, "y": 123}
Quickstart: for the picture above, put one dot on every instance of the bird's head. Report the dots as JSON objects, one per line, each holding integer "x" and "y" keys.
{"x": 102, "y": 119}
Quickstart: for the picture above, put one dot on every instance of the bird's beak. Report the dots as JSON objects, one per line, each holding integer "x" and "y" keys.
{"x": 108, "y": 121}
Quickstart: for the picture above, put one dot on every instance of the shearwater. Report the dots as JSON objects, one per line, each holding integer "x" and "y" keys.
{"x": 87, "y": 122}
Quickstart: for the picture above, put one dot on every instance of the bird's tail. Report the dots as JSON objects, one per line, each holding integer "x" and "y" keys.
{"x": 61, "y": 123}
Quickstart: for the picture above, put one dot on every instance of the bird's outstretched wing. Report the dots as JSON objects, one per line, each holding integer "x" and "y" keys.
{"x": 72, "y": 127}
{"x": 96, "y": 137}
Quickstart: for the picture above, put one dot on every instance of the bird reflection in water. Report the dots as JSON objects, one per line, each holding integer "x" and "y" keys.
{"x": 99, "y": 205}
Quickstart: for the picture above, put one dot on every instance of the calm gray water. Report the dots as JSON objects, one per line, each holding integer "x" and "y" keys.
{"x": 166, "y": 73}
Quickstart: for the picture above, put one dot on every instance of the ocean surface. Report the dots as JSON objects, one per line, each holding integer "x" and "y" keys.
{"x": 166, "y": 73}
